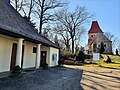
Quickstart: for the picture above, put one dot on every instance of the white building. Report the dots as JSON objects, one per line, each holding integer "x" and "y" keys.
{"x": 20, "y": 44}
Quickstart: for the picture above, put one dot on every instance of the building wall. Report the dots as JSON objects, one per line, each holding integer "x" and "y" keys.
{"x": 108, "y": 48}
{"x": 107, "y": 43}
{"x": 54, "y": 52}
{"x": 100, "y": 37}
{"x": 6, "y": 43}
{"x": 91, "y": 37}
{"x": 5, "y": 52}
{"x": 50, "y": 52}
{"x": 29, "y": 57}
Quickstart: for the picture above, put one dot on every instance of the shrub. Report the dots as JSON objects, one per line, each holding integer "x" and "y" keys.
{"x": 80, "y": 56}
{"x": 16, "y": 71}
{"x": 68, "y": 56}
{"x": 59, "y": 62}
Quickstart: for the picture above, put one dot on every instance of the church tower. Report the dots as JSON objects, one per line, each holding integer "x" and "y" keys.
{"x": 96, "y": 37}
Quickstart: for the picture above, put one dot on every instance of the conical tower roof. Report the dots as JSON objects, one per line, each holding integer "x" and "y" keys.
{"x": 95, "y": 28}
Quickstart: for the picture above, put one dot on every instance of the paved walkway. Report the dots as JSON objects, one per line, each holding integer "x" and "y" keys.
{"x": 57, "y": 78}
{"x": 97, "y": 78}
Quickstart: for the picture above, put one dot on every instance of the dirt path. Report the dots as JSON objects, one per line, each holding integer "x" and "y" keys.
{"x": 98, "y": 78}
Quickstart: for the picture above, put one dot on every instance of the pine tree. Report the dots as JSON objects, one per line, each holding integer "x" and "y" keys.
{"x": 116, "y": 52}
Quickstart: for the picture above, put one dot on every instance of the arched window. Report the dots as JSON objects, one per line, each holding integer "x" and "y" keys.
{"x": 104, "y": 45}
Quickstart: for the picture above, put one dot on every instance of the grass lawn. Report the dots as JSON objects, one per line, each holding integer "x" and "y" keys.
{"x": 115, "y": 62}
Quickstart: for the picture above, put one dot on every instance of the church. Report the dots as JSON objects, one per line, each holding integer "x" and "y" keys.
{"x": 96, "y": 37}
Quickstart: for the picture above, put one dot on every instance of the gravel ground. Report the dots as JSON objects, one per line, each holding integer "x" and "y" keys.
{"x": 57, "y": 78}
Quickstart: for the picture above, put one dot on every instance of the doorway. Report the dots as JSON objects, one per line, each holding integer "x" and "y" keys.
{"x": 43, "y": 58}
{"x": 22, "y": 56}
{"x": 13, "y": 56}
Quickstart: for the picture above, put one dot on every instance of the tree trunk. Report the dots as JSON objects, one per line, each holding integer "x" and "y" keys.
{"x": 67, "y": 45}
{"x": 41, "y": 17}
{"x": 72, "y": 45}
{"x": 30, "y": 10}
{"x": 16, "y": 7}
{"x": 40, "y": 27}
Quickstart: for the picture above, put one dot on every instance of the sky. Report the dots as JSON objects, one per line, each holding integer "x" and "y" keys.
{"x": 107, "y": 13}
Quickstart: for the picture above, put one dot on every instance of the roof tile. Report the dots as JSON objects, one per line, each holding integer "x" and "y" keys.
{"x": 95, "y": 28}
{"x": 12, "y": 21}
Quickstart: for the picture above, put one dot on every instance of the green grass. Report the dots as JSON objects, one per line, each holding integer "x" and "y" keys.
{"x": 115, "y": 62}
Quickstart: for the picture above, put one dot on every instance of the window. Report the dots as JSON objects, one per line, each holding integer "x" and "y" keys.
{"x": 104, "y": 45}
{"x": 54, "y": 57}
{"x": 34, "y": 49}
{"x": 99, "y": 45}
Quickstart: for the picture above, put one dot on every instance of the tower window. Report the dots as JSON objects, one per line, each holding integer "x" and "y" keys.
{"x": 91, "y": 35}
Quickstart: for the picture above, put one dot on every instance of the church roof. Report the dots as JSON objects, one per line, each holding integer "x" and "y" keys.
{"x": 95, "y": 28}
{"x": 14, "y": 25}
{"x": 102, "y": 38}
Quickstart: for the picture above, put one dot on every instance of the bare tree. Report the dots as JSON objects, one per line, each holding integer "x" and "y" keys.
{"x": 31, "y": 5}
{"x": 109, "y": 35}
{"x": 44, "y": 10}
{"x": 25, "y": 8}
{"x": 18, "y": 4}
{"x": 28, "y": 9}
{"x": 45, "y": 33}
{"x": 115, "y": 41}
{"x": 61, "y": 31}
{"x": 119, "y": 47}
{"x": 78, "y": 36}
{"x": 73, "y": 21}
{"x": 112, "y": 38}
{"x": 56, "y": 41}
